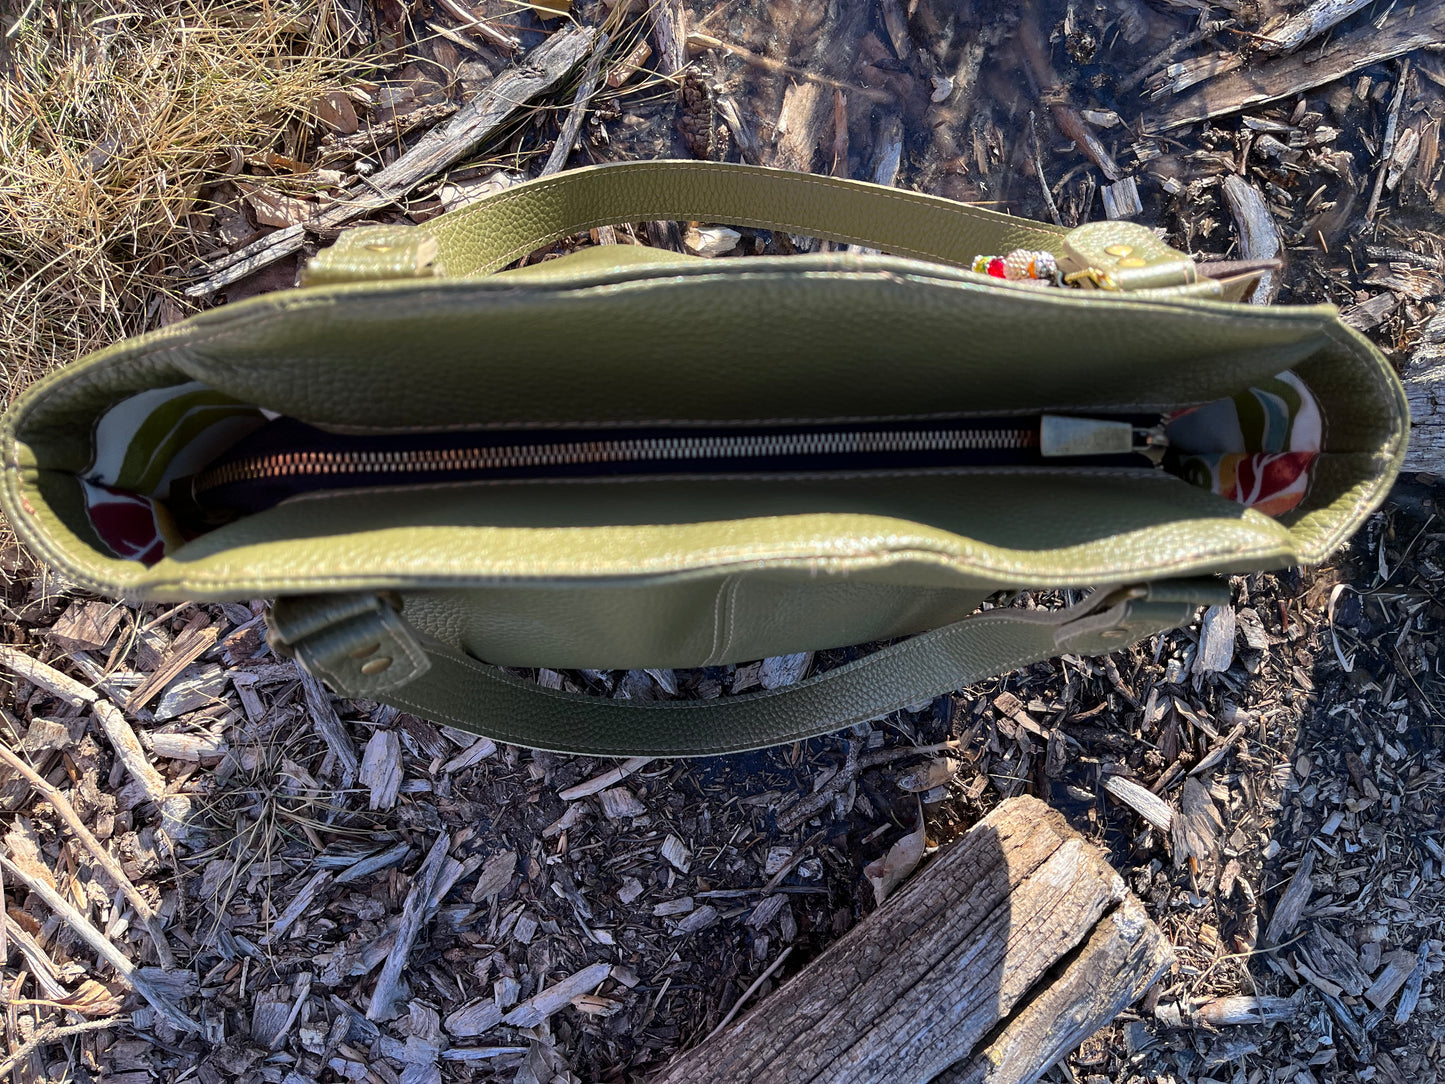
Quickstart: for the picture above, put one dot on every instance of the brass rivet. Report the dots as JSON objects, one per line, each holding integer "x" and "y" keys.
{"x": 1132, "y": 261}
{"x": 369, "y": 649}
{"x": 1119, "y": 250}
{"x": 376, "y": 247}
{"x": 376, "y": 665}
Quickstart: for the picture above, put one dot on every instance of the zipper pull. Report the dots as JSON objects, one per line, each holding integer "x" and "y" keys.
{"x": 1063, "y": 436}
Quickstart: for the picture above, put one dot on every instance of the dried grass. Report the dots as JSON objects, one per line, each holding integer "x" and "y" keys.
{"x": 112, "y": 116}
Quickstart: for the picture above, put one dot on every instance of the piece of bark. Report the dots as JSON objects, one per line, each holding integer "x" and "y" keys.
{"x": 328, "y": 725}
{"x": 806, "y": 108}
{"x": 573, "y": 124}
{"x": 1205, "y": 31}
{"x": 1292, "y": 902}
{"x": 1142, "y": 801}
{"x": 1123, "y": 957}
{"x": 377, "y": 862}
{"x": 1332, "y": 958}
{"x": 1197, "y": 827}
{"x": 669, "y": 34}
{"x": 188, "y": 647}
{"x": 86, "y": 626}
{"x": 299, "y": 902}
{"x": 46, "y": 677}
{"x": 1371, "y": 313}
{"x": 1259, "y": 239}
{"x": 476, "y": 752}
{"x": 1216, "y": 640}
{"x": 609, "y": 778}
{"x": 42, "y": 967}
{"x": 950, "y": 970}
{"x": 1283, "y": 77}
{"x": 1245, "y": 1009}
{"x": 1309, "y": 23}
{"x": 192, "y": 748}
{"x": 1387, "y": 147}
{"x": 175, "y": 809}
{"x": 381, "y": 769}
{"x": 1414, "y": 986}
{"x": 1121, "y": 199}
{"x": 413, "y": 913}
{"x": 473, "y": 1020}
{"x": 557, "y": 997}
{"x": 1398, "y": 967}
{"x": 128, "y": 750}
{"x": 541, "y": 71}
{"x": 194, "y": 688}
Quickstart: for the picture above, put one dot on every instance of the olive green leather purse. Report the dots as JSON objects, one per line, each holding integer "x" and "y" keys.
{"x": 629, "y": 458}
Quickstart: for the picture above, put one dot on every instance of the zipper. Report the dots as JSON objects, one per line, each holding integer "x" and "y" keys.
{"x": 287, "y": 457}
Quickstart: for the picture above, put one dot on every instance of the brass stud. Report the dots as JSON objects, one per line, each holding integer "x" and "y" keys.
{"x": 369, "y": 649}
{"x": 376, "y": 246}
{"x": 376, "y": 665}
{"x": 1132, "y": 261}
{"x": 1119, "y": 250}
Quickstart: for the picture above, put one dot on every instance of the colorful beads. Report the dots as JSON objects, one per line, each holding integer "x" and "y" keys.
{"x": 1020, "y": 265}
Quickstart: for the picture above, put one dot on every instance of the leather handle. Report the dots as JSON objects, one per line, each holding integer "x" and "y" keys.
{"x": 342, "y": 640}
{"x": 502, "y": 228}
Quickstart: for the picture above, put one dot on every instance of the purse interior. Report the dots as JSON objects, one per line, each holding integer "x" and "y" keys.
{"x": 885, "y": 342}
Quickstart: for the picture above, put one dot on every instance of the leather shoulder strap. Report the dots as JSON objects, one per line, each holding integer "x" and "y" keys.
{"x": 362, "y": 647}
{"x": 494, "y": 232}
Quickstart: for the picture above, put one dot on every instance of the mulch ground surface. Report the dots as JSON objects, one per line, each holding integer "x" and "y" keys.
{"x": 350, "y": 893}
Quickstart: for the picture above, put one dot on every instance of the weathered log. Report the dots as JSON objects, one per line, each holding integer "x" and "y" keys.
{"x": 1425, "y": 388}
{"x": 1011, "y": 946}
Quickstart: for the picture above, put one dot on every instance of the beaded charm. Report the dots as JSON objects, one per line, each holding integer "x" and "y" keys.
{"x": 1020, "y": 265}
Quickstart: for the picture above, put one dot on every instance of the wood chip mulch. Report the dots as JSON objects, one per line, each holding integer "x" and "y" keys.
{"x": 215, "y": 870}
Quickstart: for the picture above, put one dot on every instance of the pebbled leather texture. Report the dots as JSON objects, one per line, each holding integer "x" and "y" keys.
{"x": 402, "y": 331}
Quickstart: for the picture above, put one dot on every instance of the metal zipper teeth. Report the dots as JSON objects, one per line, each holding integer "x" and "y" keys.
{"x": 523, "y": 456}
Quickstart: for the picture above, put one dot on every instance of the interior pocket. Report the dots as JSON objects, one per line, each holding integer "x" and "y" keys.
{"x": 171, "y": 465}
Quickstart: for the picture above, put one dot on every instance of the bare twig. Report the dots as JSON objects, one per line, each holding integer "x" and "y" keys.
{"x": 750, "y": 991}
{"x": 97, "y": 851}
{"x": 1039, "y": 171}
{"x": 20, "y": 21}
{"x": 101, "y": 944}
{"x": 51, "y": 1032}
{"x": 1387, "y": 146}
{"x": 1052, "y": 93}
{"x": 700, "y": 40}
